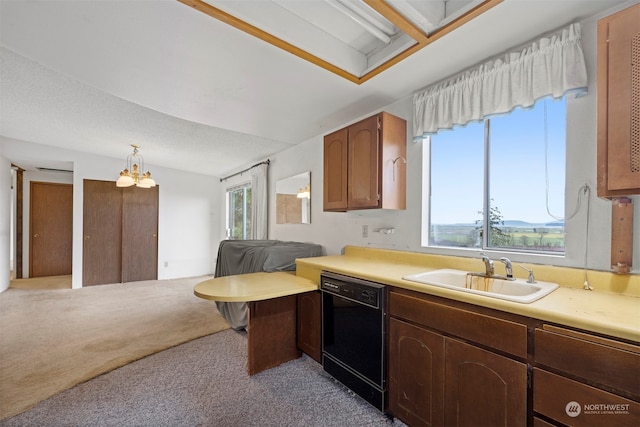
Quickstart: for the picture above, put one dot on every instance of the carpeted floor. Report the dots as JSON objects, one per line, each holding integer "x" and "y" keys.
{"x": 51, "y": 340}
{"x": 49, "y": 282}
{"x": 204, "y": 383}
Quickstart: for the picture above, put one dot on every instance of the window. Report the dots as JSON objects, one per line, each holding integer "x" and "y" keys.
{"x": 511, "y": 167}
{"x": 239, "y": 212}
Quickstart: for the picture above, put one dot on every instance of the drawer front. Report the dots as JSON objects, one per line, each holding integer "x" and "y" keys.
{"x": 499, "y": 334}
{"x": 606, "y": 362}
{"x": 576, "y": 404}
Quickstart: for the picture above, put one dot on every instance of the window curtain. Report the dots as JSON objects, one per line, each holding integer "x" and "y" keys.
{"x": 259, "y": 206}
{"x": 551, "y": 66}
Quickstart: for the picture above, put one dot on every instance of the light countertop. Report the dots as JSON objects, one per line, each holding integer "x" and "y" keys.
{"x": 609, "y": 313}
{"x": 253, "y": 287}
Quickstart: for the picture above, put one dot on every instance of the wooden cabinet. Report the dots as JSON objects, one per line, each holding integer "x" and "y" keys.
{"x": 482, "y": 387}
{"x": 309, "y": 318}
{"x": 365, "y": 165}
{"x": 416, "y": 374}
{"x": 619, "y": 103}
{"x": 582, "y": 379}
{"x": 455, "y": 365}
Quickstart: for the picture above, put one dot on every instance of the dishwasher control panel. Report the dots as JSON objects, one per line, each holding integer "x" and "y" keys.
{"x": 358, "y": 290}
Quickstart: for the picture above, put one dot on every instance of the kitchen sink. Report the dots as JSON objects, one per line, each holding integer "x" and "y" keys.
{"x": 518, "y": 290}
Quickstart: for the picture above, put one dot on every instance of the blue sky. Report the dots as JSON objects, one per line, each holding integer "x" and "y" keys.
{"x": 517, "y": 167}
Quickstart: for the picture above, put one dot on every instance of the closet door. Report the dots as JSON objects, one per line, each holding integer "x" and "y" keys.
{"x": 102, "y": 236}
{"x": 139, "y": 234}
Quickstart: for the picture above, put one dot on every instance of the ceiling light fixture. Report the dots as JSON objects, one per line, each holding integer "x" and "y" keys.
{"x": 131, "y": 175}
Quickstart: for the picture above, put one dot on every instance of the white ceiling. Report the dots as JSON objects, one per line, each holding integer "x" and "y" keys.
{"x": 197, "y": 94}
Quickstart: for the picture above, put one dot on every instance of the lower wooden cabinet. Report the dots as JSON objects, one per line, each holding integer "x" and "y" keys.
{"x": 583, "y": 379}
{"x": 483, "y": 388}
{"x": 309, "y": 318}
{"x": 436, "y": 378}
{"x": 416, "y": 374}
{"x": 574, "y": 403}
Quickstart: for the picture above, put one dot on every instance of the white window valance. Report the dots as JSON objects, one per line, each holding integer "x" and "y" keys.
{"x": 551, "y": 66}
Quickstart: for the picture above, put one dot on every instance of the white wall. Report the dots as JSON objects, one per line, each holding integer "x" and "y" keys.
{"x": 188, "y": 235}
{"x": 335, "y": 230}
{"x": 5, "y": 221}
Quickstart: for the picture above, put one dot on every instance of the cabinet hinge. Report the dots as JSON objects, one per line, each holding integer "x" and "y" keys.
{"x": 529, "y": 376}
{"x": 379, "y": 124}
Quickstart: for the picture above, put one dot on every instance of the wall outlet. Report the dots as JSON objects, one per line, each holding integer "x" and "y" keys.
{"x": 365, "y": 231}
{"x": 166, "y": 264}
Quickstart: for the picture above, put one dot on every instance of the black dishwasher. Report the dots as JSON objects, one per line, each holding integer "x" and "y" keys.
{"x": 353, "y": 335}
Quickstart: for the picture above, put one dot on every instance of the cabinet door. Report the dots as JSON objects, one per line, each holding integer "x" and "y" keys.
{"x": 483, "y": 388}
{"x": 619, "y": 103}
{"x": 364, "y": 160}
{"x": 335, "y": 171}
{"x": 309, "y": 324}
{"x": 416, "y": 374}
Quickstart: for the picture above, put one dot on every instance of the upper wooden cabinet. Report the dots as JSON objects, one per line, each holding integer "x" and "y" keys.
{"x": 619, "y": 103}
{"x": 365, "y": 165}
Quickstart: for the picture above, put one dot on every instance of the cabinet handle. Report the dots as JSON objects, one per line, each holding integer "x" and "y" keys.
{"x": 36, "y": 235}
{"x": 394, "y": 165}
{"x": 86, "y": 237}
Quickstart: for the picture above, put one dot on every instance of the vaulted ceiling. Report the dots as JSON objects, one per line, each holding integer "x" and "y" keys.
{"x": 213, "y": 86}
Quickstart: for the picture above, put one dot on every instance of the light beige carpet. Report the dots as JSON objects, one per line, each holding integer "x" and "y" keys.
{"x": 51, "y": 340}
{"x": 49, "y": 282}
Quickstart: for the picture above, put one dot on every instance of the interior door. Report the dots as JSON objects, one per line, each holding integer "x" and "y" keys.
{"x": 51, "y": 229}
{"x": 139, "y": 234}
{"x": 102, "y": 235}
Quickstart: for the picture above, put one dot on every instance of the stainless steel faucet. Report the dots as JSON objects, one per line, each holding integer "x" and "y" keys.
{"x": 488, "y": 265}
{"x": 507, "y": 268}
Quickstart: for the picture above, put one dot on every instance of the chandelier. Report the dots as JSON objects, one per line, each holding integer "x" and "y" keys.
{"x": 132, "y": 174}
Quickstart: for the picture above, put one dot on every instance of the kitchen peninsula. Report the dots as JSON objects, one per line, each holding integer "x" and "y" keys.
{"x": 271, "y": 326}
